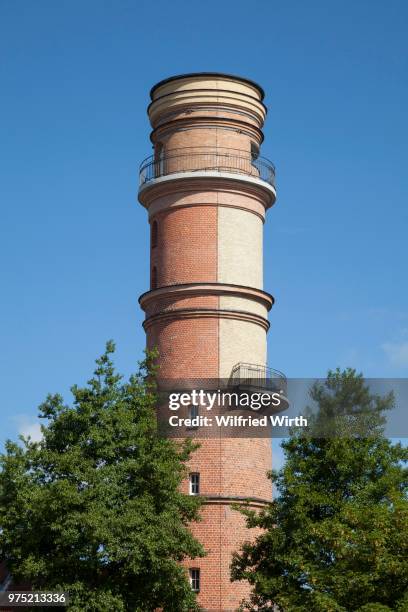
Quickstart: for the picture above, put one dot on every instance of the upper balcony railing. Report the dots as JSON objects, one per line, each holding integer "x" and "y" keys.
{"x": 206, "y": 159}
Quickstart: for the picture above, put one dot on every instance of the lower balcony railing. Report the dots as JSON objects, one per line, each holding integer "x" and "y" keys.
{"x": 258, "y": 378}
{"x": 200, "y": 159}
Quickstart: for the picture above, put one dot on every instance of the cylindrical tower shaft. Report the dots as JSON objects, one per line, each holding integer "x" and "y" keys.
{"x": 206, "y": 190}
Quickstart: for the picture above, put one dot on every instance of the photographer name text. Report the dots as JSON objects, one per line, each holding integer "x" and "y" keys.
{"x": 238, "y": 421}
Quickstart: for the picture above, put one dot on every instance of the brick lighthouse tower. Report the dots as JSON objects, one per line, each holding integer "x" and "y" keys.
{"x": 206, "y": 190}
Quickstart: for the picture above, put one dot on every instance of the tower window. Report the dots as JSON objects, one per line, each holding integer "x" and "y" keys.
{"x": 158, "y": 159}
{"x": 254, "y": 151}
{"x": 154, "y": 234}
{"x": 193, "y": 411}
{"x": 194, "y": 483}
{"x": 195, "y": 579}
{"x": 154, "y": 278}
{"x": 158, "y": 151}
{"x": 192, "y": 414}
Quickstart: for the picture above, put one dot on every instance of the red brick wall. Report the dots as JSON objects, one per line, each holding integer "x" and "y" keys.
{"x": 187, "y": 347}
{"x": 186, "y": 253}
{"x": 187, "y": 246}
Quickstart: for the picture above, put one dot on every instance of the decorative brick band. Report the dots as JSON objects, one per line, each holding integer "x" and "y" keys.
{"x": 227, "y": 500}
{"x": 199, "y": 313}
{"x": 203, "y": 289}
{"x": 203, "y": 121}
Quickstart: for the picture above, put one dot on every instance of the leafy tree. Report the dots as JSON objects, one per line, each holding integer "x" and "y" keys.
{"x": 336, "y": 537}
{"x": 95, "y": 508}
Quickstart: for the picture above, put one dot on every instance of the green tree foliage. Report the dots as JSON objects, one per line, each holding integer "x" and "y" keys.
{"x": 336, "y": 536}
{"x": 95, "y": 507}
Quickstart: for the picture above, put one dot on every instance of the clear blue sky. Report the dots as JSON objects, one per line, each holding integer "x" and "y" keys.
{"x": 75, "y": 77}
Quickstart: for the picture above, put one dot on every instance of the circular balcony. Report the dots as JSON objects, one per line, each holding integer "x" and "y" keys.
{"x": 254, "y": 378}
{"x": 258, "y": 376}
{"x": 206, "y": 160}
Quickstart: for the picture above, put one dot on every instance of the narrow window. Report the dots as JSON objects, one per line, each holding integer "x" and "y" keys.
{"x": 158, "y": 160}
{"x": 154, "y": 278}
{"x": 155, "y": 234}
{"x": 254, "y": 151}
{"x": 158, "y": 151}
{"x": 194, "y": 483}
{"x": 192, "y": 414}
{"x": 195, "y": 579}
{"x": 192, "y": 411}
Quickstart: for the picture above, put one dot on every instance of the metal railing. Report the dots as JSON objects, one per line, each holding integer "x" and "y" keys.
{"x": 254, "y": 376}
{"x": 201, "y": 159}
